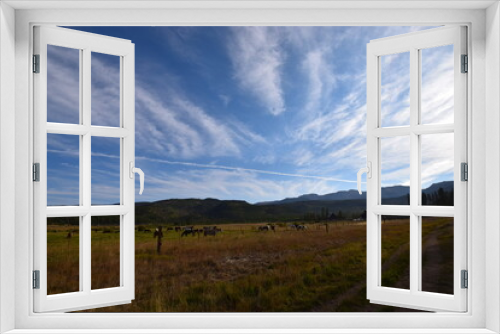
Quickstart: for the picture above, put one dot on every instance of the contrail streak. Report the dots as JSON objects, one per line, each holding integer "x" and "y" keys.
{"x": 192, "y": 164}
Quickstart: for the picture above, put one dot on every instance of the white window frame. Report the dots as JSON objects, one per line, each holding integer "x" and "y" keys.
{"x": 413, "y": 43}
{"x": 85, "y": 43}
{"x": 484, "y": 102}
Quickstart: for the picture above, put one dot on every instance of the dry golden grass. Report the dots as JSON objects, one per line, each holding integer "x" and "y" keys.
{"x": 62, "y": 259}
{"x": 243, "y": 270}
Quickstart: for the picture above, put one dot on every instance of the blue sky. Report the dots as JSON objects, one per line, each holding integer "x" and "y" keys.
{"x": 249, "y": 113}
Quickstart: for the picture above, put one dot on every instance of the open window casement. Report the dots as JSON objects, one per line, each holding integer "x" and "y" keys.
{"x": 70, "y": 136}
{"x": 412, "y": 136}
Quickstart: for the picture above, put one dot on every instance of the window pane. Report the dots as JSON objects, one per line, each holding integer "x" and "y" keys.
{"x": 437, "y": 90}
{"x": 105, "y": 171}
{"x": 105, "y": 252}
{"x": 63, "y": 85}
{"x": 395, "y": 252}
{"x": 437, "y": 169}
{"x": 395, "y": 170}
{"x": 437, "y": 254}
{"x": 105, "y": 90}
{"x": 63, "y": 170}
{"x": 63, "y": 255}
{"x": 395, "y": 89}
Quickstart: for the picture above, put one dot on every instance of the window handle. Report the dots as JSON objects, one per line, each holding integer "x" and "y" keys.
{"x": 139, "y": 171}
{"x": 368, "y": 171}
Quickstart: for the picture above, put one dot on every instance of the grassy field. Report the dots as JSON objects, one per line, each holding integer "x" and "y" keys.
{"x": 246, "y": 270}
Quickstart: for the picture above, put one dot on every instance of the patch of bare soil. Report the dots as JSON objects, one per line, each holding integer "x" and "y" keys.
{"x": 437, "y": 276}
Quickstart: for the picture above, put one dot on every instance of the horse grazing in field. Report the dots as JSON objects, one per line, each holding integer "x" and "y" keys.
{"x": 211, "y": 230}
{"x": 188, "y": 230}
{"x": 298, "y": 227}
{"x": 185, "y": 233}
{"x": 264, "y": 228}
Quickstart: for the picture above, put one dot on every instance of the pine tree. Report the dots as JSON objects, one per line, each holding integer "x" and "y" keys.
{"x": 424, "y": 199}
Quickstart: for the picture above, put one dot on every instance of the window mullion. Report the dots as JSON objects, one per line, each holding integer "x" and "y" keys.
{"x": 85, "y": 157}
{"x": 85, "y": 153}
{"x": 81, "y": 224}
{"x": 414, "y": 170}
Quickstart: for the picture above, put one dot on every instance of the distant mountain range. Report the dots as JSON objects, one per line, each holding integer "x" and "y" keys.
{"x": 387, "y": 192}
{"x": 305, "y": 207}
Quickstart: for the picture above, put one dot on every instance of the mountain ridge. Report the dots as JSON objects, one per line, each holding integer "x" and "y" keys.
{"x": 308, "y": 207}
{"x": 351, "y": 194}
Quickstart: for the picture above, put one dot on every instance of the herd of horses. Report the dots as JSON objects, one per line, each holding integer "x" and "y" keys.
{"x": 190, "y": 230}
{"x": 297, "y": 227}
{"x": 214, "y": 230}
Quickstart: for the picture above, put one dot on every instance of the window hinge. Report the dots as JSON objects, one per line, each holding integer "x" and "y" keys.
{"x": 464, "y": 171}
{"x": 36, "y": 63}
{"x": 36, "y": 172}
{"x": 465, "y": 279}
{"x": 36, "y": 279}
{"x": 465, "y": 64}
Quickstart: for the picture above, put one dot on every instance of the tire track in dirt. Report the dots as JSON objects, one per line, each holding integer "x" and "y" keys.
{"x": 431, "y": 244}
{"x": 433, "y": 251}
{"x": 333, "y": 305}
{"x": 435, "y": 262}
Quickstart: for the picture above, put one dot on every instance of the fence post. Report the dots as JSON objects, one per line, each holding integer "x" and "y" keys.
{"x": 158, "y": 235}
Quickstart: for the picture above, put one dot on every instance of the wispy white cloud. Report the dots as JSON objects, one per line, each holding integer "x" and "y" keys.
{"x": 349, "y": 156}
{"x": 345, "y": 118}
{"x": 177, "y": 127}
{"x": 302, "y": 156}
{"x": 336, "y": 140}
{"x": 63, "y": 170}
{"x": 257, "y": 58}
{"x": 437, "y": 85}
{"x": 63, "y": 85}
{"x": 395, "y": 89}
{"x": 437, "y": 158}
{"x": 317, "y": 66}
{"x": 218, "y": 134}
{"x": 105, "y": 90}
{"x": 395, "y": 161}
{"x": 243, "y": 134}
